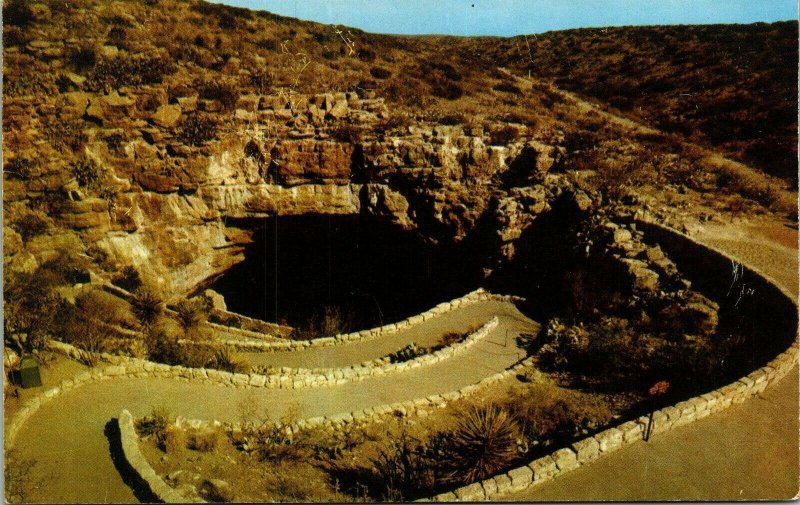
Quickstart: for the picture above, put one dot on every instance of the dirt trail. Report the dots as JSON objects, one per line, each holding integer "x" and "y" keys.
{"x": 748, "y": 452}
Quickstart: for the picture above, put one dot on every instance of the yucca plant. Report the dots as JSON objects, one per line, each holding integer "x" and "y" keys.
{"x": 483, "y": 442}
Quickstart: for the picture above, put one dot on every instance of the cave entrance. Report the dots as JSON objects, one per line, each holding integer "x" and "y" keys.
{"x": 358, "y": 268}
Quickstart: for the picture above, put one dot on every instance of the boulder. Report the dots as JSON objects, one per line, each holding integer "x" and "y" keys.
{"x": 167, "y": 116}
{"x": 215, "y": 300}
{"x": 110, "y": 107}
{"x": 217, "y": 490}
{"x": 248, "y": 103}
{"x": 188, "y": 103}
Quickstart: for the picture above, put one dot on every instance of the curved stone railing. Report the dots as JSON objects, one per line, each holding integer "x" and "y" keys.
{"x": 590, "y": 448}
{"x": 137, "y": 461}
{"x": 418, "y": 406}
{"x": 368, "y": 369}
{"x": 290, "y": 379}
{"x": 141, "y": 368}
{"x": 475, "y": 296}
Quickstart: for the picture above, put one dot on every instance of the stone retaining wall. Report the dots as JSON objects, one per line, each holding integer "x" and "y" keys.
{"x": 290, "y": 379}
{"x": 407, "y": 408}
{"x": 590, "y": 448}
{"x": 367, "y": 369}
{"x": 418, "y": 406}
{"x": 137, "y": 461}
{"x": 475, "y": 296}
{"x": 233, "y": 321}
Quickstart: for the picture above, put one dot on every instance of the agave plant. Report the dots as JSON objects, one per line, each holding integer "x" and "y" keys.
{"x": 483, "y": 442}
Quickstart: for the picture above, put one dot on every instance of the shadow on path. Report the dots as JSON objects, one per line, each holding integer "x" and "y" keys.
{"x": 129, "y": 476}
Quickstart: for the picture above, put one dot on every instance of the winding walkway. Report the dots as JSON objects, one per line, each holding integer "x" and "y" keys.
{"x": 66, "y": 436}
{"x": 747, "y": 452}
{"x": 425, "y": 334}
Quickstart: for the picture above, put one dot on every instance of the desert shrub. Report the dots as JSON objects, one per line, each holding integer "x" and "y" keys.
{"x": 261, "y": 80}
{"x": 447, "y": 90}
{"x": 117, "y": 36}
{"x": 82, "y": 58}
{"x": 224, "y": 91}
{"x": 18, "y": 478}
{"x": 17, "y": 13}
{"x": 29, "y": 79}
{"x": 331, "y": 322}
{"x": 367, "y": 55}
{"x": 408, "y": 353}
{"x": 546, "y": 412}
{"x": 156, "y": 422}
{"x": 483, "y": 442}
{"x": 29, "y": 308}
{"x": 403, "y": 470}
{"x": 31, "y": 224}
{"x": 380, "y": 73}
{"x": 125, "y": 70}
{"x": 128, "y": 279}
{"x": 450, "y": 338}
{"x": 191, "y": 313}
{"x": 146, "y": 305}
{"x": 15, "y": 36}
{"x": 162, "y": 345}
{"x": 503, "y": 135}
{"x": 226, "y": 361}
{"x": 392, "y": 123}
{"x": 507, "y": 87}
{"x": 215, "y": 493}
{"x": 171, "y": 440}
{"x": 21, "y": 167}
{"x": 197, "y": 129}
{"x": 86, "y": 173}
{"x": 345, "y": 132}
{"x": 203, "y": 440}
{"x": 65, "y": 135}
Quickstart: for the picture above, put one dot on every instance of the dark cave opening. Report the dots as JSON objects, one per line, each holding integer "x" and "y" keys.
{"x": 372, "y": 272}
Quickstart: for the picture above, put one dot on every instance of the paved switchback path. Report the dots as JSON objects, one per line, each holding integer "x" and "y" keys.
{"x": 426, "y": 334}
{"x": 66, "y": 436}
{"x": 747, "y": 452}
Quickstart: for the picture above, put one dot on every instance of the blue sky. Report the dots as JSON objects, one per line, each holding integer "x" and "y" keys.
{"x": 515, "y": 17}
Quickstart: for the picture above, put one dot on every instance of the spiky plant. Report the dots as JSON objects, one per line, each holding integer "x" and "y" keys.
{"x": 146, "y": 305}
{"x": 483, "y": 442}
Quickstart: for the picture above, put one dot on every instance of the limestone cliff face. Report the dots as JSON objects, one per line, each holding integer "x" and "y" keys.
{"x": 164, "y": 202}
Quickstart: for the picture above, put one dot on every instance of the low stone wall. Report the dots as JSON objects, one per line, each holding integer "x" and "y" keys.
{"x": 418, "y": 406}
{"x": 257, "y": 328}
{"x": 137, "y": 461}
{"x": 289, "y": 379}
{"x": 368, "y": 369}
{"x": 407, "y": 408}
{"x": 590, "y": 448}
{"x": 475, "y": 296}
